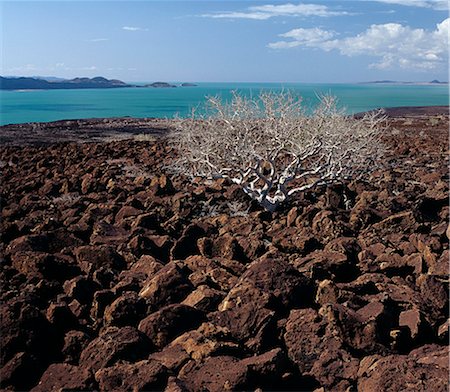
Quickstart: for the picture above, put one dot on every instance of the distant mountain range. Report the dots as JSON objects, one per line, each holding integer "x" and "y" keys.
{"x": 23, "y": 83}
{"x": 397, "y": 82}
{"x": 52, "y": 83}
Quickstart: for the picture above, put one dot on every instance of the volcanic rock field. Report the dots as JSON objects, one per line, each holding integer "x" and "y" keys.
{"x": 117, "y": 276}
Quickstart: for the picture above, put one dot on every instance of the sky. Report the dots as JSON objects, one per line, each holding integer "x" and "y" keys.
{"x": 227, "y": 41}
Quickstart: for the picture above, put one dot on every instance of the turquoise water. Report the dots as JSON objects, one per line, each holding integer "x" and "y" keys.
{"x": 51, "y": 105}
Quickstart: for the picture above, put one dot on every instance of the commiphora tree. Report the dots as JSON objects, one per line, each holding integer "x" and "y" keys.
{"x": 272, "y": 148}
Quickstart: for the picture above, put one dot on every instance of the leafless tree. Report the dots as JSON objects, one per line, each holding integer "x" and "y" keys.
{"x": 272, "y": 148}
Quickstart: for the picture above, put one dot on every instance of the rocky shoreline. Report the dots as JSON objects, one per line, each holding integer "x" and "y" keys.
{"x": 116, "y": 276}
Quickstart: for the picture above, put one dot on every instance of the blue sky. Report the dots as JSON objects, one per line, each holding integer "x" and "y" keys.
{"x": 253, "y": 41}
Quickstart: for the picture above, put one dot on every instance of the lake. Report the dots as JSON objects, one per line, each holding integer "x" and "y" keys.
{"x": 50, "y": 105}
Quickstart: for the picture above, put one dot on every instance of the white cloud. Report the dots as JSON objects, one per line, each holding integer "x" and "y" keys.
{"x": 303, "y": 37}
{"x": 440, "y": 5}
{"x": 132, "y": 28}
{"x": 98, "y": 39}
{"x": 394, "y": 44}
{"x": 91, "y": 68}
{"x": 264, "y": 12}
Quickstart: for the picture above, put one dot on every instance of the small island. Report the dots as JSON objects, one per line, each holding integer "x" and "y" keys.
{"x": 160, "y": 85}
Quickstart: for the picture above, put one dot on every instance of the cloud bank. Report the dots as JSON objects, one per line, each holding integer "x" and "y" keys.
{"x": 132, "y": 28}
{"x": 264, "y": 12}
{"x": 439, "y": 5}
{"x": 394, "y": 44}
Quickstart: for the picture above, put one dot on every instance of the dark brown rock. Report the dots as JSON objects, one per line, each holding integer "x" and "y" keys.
{"x": 74, "y": 343}
{"x": 61, "y": 317}
{"x": 204, "y": 298}
{"x": 114, "y": 344}
{"x": 215, "y": 271}
{"x": 148, "y": 265}
{"x": 169, "y": 322}
{"x": 81, "y": 288}
{"x": 62, "y": 376}
{"x": 208, "y": 340}
{"x": 249, "y": 324}
{"x": 101, "y": 299}
{"x": 284, "y": 285}
{"x": 223, "y": 373}
{"x": 173, "y": 357}
{"x": 20, "y": 372}
{"x": 413, "y": 320}
{"x": 167, "y": 286}
{"x": 423, "y": 369}
{"x": 187, "y": 243}
{"x": 146, "y": 375}
{"x": 128, "y": 309}
{"x": 91, "y": 258}
{"x": 40, "y": 265}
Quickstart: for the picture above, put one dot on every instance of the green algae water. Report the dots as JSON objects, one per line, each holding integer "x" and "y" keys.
{"x": 50, "y": 105}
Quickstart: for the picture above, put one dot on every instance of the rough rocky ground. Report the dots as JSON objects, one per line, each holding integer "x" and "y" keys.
{"x": 116, "y": 277}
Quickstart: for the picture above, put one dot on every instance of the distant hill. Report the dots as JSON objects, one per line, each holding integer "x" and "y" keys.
{"x": 397, "y": 82}
{"x": 24, "y": 83}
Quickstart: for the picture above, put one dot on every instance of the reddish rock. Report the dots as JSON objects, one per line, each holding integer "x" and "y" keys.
{"x": 204, "y": 298}
{"x": 216, "y": 374}
{"x": 225, "y": 246}
{"x": 148, "y": 265}
{"x": 413, "y": 320}
{"x": 167, "y": 286}
{"x": 318, "y": 351}
{"x": 60, "y": 316}
{"x": 283, "y": 285}
{"x": 146, "y": 221}
{"x": 443, "y": 331}
{"x": 87, "y": 183}
{"x": 128, "y": 309}
{"x": 39, "y": 265}
{"x": 216, "y": 271}
{"x": 325, "y": 226}
{"x": 208, "y": 340}
{"x": 175, "y": 385}
{"x": 113, "y": 344}
{"x": 267, "y": 370}
{"x": 104, "y": 233}
{"x": 81, "y": 288}
{"x": 147, "y": 375}
{"x": 304, "y": 329}
{"x": 74, "y": 343}
{"x": 173, "y": 357}
{"x": 101, "y": 299}
{"x": 63, "y": 376}
{"x": 327, "y": 292}
{"x": 187, "y": 243}
{"x": 125, "y": 213}
{"x": 20, "y": 372}
{"x": 326, "y": 265}
{"x": 291, "y": 216}
{"x": 441, "y": 265}
{"x": 50, "y": 242}
{"x": 169, "y": 322}
{"x": 433, "y": 297}
{"x": 249, "y": 324}
{"x": 91, "y": 258}
{"x": 24, "y": 329}
{"x": 424, "y": 369}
